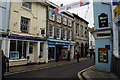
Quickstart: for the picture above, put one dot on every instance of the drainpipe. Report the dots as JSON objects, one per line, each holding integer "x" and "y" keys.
{"x": 8, "y": 30}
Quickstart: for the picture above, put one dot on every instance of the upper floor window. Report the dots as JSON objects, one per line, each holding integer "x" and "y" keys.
{"x": 64, "y": 33}
{"x": 77, "y": 29}
{"x": 58, "y": 33}
{"x": 81, "y": 33}
{"x": 51, "y": 16}
{"x": 69, "y": 34}
{"x": 51, "y": 30}
{"x": 65, "y": 21}
{"x": 69, "y": 22}
{"x": 58, "y": 18}
{"x": 26, "y": 4}
{"x": 91, "y": 43}
{"x": 25, "y": 24}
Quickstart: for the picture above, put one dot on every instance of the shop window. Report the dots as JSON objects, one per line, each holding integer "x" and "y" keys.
{"x": 17, "y": 49}
{"x": 41, "y": 49}
{"x": 26, "y": 4}
{"x": 51, "y": 53}
{"x": 62, "y": 53}
{"x": 25, "y": 24}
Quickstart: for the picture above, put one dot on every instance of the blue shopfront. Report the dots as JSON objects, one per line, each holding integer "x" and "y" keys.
{"x": 58, "y": 49}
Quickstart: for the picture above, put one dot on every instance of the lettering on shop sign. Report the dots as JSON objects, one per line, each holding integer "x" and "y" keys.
{"x": 103, "y": 20}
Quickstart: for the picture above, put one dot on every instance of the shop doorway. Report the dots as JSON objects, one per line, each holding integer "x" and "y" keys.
{"x": 61, "y": 53}
{"x": 86, "y": 49}
{"x": 82, "y": 50}
{"x": 31, "y": 52}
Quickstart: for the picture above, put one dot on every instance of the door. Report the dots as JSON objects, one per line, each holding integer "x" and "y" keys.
{"x": 31, "y": 52}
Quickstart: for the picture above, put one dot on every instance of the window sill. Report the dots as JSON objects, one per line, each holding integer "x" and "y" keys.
{"x": 18, "y": 60}
{"x": 24, "y": 32}
{"x": 26, "y": 8}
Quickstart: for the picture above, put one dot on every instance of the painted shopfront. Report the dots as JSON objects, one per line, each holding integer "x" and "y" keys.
{"x": 58, "y": 49}
{"x": 103, "y": 35}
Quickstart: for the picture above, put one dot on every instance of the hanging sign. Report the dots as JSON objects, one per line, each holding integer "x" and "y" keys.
{"x": 103, "y": 20}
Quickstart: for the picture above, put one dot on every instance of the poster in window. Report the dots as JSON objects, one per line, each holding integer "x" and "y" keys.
{"x": 14, "y": 55}
{"x": 103, "y": 55}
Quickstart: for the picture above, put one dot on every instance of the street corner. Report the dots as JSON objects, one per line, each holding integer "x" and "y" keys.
{"x": 81, "y": 74}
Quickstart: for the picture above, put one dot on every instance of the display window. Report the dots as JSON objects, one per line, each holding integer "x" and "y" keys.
{"x": 62, "y": 53}
{"x": 51, "y": 54}
{"x": 17, "y": 49}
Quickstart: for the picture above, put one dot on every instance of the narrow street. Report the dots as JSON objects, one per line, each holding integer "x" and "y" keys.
{"x": 68, "y": 71}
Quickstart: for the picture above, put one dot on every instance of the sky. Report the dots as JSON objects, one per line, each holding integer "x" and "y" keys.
{"x": 81, "y": 11}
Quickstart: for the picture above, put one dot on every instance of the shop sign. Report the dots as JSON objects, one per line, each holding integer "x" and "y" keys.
{"x": 103, "y": 34}
{"x": 103, "y": 55}
{"x": 60, "y": 43}
{"x": 103, "y": 20}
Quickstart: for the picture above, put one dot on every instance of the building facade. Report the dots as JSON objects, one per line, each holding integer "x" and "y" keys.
{"x": 26, "y": 41}
{"x": 4, "y": 19}
{"x": 116, "y": 50}
{"x": 80, "y": 35}
{"x": 103, "y": 35}
{"x": 59, "y": 34}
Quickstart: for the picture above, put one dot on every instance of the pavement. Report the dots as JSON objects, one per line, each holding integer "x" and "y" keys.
{"x": 92, "y": 74}
{"x": 26, "y": 68}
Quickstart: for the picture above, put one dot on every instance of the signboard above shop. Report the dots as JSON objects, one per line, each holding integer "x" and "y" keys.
{"x": 103, "y": 20}
{"x": 102, "y": 33}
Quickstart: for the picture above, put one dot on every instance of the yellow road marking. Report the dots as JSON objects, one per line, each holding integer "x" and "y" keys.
{"x": 79, "y": 76}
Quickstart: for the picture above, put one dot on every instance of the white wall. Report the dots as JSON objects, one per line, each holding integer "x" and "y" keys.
{"x": 4, "y": 14}
{"x": 91, "y": 38}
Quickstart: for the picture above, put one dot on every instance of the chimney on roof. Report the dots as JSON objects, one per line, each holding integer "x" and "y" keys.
{"x": 61, "y": 5}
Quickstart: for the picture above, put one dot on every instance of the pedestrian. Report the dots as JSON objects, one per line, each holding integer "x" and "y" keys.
{"x": 69, "y": 55}
{"x": 5, "y": 64}
{"x": 78, "y": 56}
{"x": 90, "y": 54}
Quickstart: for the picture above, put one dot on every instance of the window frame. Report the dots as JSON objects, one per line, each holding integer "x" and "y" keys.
{"x": 51, "y": 32}
{"x": 23, "y": 26}
{"x": 51, "y": 17}
{"x": 64, "y": 33}
{"x": 69, "y": 22}
{"x": 59, "y": 18}
{"x": 58, "y": 32}
{"x": 65, "y": 20}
